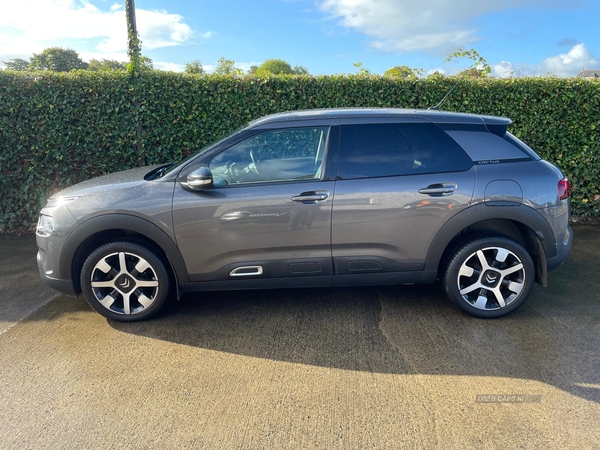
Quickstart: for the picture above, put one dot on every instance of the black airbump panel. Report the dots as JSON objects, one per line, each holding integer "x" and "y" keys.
{"x": 306, "y": 267}
{"x": 364, "y": 266}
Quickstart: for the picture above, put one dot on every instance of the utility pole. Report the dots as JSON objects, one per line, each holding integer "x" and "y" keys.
{"x": 133, "y": 41}
{"x": 134, "y": 67}
{"x": 130, "y": 7}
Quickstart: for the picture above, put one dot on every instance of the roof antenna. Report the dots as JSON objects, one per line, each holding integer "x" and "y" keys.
{"x": 437, "y": 107}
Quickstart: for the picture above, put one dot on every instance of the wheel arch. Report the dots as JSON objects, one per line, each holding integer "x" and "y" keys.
{"x": 522, "y": 224}
{"x": 107, "y": 228}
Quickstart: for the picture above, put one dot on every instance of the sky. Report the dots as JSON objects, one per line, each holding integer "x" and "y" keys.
{"x": 515, "y": 37}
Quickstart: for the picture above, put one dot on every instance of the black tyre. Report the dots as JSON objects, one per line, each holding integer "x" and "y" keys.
{"x": 489, "y": 277}
{"x": 125, "y": 281}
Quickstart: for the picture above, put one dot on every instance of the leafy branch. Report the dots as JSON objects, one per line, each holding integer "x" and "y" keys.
{"x": 479, "y": 63}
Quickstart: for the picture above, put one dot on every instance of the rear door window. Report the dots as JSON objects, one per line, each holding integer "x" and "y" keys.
{"x": 393, "y": 149}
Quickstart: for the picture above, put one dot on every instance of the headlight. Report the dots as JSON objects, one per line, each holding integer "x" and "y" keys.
{"x": 45, "y": 226}
{"x": 60, "y": 201}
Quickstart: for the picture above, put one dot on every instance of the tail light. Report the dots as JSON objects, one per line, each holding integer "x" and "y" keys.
{"x": 564, "y": 189}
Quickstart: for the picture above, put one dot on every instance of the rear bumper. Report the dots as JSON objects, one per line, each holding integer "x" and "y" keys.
{"x": 563, "y": 250}
{"x": 64, "y": 286}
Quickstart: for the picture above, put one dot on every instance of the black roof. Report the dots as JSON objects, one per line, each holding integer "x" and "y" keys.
{"x": 346, "y": 113}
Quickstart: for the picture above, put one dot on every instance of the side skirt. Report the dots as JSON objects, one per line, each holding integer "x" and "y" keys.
{"x": 367, "y": 279}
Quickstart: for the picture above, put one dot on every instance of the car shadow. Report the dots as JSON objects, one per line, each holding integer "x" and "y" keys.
{"x": 398, "y": 330}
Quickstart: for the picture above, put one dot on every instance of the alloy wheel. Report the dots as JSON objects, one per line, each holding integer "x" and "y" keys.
{"x": 124, "y": 283}
{"x": 491, "y": 278}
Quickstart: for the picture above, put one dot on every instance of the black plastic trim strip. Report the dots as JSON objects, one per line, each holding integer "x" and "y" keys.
{"x": 368, "y": 279}
{"x": 478, "y": 127}
{"x": 333, "y": 150}
{"x": 387, "y": 278}
{"x": 276, "y": 268}
{"x": 126, "y": 222}
{"x": 480, "y": 212}
{"x": 346, "y": 265}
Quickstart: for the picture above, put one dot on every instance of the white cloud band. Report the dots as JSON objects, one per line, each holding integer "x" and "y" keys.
{"x": 563, "y": 65}
{"x": 28, "y": 26}
{"x": 409, "y": 25}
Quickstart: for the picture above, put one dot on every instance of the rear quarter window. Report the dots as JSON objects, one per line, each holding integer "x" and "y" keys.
{"x": 485, "y": 146}
{"x": 513, "y": 140}
{"x": 393, "y": 149}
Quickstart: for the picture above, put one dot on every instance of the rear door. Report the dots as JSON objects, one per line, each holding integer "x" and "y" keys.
{"x": 398, "y": 183}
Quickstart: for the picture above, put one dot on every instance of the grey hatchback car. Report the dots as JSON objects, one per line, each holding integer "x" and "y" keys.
{"x": 320, "y": 198}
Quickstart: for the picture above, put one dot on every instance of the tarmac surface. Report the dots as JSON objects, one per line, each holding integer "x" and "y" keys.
{"x": 387, "y": 367}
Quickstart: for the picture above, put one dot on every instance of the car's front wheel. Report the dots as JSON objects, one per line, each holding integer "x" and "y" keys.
{"x": 125, "y": 281}
{"x": 489, "y": 277}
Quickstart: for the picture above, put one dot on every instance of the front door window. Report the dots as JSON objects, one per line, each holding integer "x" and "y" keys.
{"x": 273, "y": 156}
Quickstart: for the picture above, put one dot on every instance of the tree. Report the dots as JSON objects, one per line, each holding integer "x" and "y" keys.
{"x": 146, "y": 63}
{"x": 194, "y": 66}
{"x": 275, "y": 67}
{"x": 17, "y": 64}
{"x": 403, "y": 72}
{"x": 279, "y": 67}
{"x": 300, "y": 70}
{"x": 57, "y": 59}
{"x": 106, "y": 64}
{"x": 473, "y": 72}
{"x": 227, "y": 67}
{"x": 252, "y": 70}
{"x": 436, "y": 74}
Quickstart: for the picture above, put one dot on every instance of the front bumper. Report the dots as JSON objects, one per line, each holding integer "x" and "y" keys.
{"x": 64, "y": 286}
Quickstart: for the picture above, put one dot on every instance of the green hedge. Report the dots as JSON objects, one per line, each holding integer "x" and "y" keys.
{"x": 60, "y": 128}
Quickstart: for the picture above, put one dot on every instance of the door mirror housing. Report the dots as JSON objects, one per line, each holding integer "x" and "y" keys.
{"x": 199, "y": 180}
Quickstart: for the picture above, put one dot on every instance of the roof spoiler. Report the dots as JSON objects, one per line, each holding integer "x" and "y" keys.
{"x": 496, "y": 125}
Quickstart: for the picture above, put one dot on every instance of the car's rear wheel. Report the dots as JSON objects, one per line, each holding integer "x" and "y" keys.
{"x": 125, "y": 281}
{"x": 489, "y": 277}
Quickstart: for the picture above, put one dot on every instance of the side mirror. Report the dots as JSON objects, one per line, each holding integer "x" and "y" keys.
{"x": 199, "y": 180}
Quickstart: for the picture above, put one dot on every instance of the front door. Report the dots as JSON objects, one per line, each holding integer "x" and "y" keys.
{"x": 268, "y": 215}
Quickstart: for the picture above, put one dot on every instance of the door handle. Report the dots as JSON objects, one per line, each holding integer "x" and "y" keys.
{"x": 311, "y": 196}
{"x": 439, "y": 189}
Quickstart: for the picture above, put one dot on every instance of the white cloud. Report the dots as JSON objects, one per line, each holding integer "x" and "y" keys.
{"x": 29, "y": 26}
{"x": 171, "y": 67}
{"x": 161, "y": 29}
{"x": 503, "y": 69}
{"x": 571, "y": 63}
{"x": 408, "y": 25}
{"x": 563, "y": 65}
